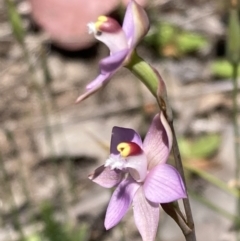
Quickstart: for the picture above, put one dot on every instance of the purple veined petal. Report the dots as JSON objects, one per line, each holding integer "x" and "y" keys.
{"x": 113, "y": 62}
{"x": 158, "y": 141}
{"x": 135, "y": 24}
{"x": 120, "y": 134}
{"x": 128, "y": 23}
{"x": 120, "y": 202}
{"x": 146, "y": 215}
{"x": 137, "y": 166}
{"x": 164, "y": 184}
{"x": 94, "y": 86}
{"x": 106, "y": 177}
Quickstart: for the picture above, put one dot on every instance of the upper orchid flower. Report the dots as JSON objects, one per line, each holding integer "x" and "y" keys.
{"x": 142, "y": 177}
{"x": 121, "y": 41}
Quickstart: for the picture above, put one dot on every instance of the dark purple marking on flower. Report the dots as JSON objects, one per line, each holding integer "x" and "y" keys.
{"x": 120, "y": 134}
{"x": 110, "y": 26}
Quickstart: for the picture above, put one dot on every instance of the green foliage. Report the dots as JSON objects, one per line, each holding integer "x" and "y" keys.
{"x": 181, "y": 42}
{"x": 56, "y": 231}
{"x": 16, "y": 21}
{"x": 190, "y": 42}
{"x": 165, "y": 33}
{"x": 222, "y": 68}
{"x": 203, "y": 147}
{"x": 33, "y": 237}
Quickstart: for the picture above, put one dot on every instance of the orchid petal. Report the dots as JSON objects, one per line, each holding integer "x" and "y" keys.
{"x": 146, "y": 215}
{"x": 120, "y": 202}
{"x": 120, "y": 134}
{"x": 99, "y": 81}
{"x": 137, "y": 166}
{"x": 115, "y": 41}
{"x": 158, "y": 141}
{"x": 164, "y": 184}
{"x": 106, "y": 177}
{"x": 135, "y": 24}
{"x": 94, "y": 86}
{"x": 113, "y": 62}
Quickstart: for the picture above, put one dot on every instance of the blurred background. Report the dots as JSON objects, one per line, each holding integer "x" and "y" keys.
{"x": 49, "y": 145}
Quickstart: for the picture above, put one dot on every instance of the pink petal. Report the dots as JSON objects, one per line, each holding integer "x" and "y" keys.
{"x": 106, "y": 177}
{"x": 158, "y": 141}
{"x": 137, "y": 166}
{"x": 120, "y": 202}
{"x": 114, "y": 40}
{"x": 99, "y": 81}
{"x": 113, "y": 62}
{"x": 120, "y": 134}
{"x": 164, "y": 184}
{"x": 94, "y": 86}
{"x": 146, "y": 215}
{"x": 135, "y": 24}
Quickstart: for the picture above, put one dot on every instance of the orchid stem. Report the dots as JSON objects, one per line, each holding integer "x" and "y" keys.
{"x": 235, "y": 119}
{"x": 233, "y": 55}
{"x": 144, "y": 72}
{"x": 236, "y": 140}
{"x": 179, "y": 166}
{"x": 150, "y": 78}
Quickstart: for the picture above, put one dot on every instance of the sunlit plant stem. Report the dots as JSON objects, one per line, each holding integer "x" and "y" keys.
{"x": 233, "y": 54}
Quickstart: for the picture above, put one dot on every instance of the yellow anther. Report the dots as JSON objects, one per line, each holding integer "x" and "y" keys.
{"x": 124, "y": 149}
{"x": 128, "y": 148}
{"x": 101, "y": 19}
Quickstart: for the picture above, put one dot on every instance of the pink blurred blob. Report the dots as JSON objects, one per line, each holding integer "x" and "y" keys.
{"x": 65, "y": 21}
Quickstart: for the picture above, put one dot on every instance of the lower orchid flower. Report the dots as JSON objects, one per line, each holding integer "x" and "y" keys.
{"x": 141, "y": 176}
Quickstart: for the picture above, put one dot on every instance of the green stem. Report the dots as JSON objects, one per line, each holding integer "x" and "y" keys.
{"x": 15, "y": 220}
{"x": 48, "y": 80}
{"x": 213, "y": 180}
{"x": 37, "y": 88}
{"x": 144, "y": 72}
{"x": 236, "y": 139}
{"x": 179, "y": 166}
{"x": 235, "y": 119}
{"x": 150, "y": 78}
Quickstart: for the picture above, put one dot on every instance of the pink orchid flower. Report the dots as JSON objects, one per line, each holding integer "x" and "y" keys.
{"x": 141, "y": 176}
{"x": 121, "y": 41}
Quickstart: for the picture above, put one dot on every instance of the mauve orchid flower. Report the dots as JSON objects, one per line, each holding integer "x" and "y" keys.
{"x": 141, "y": 176}
{"x": 121, "y": 41}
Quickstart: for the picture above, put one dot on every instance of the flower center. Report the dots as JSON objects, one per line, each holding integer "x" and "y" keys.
{"x": 125, "y": 149}
{"x": 109, "y": 31}
{"x": 104, "y": 24}
{"x": 116, "y": 162}
{"x": 131, "y": 160}
{"x": 128, "y": 149}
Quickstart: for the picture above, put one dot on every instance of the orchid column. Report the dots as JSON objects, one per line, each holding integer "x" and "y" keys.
{"x": 138, "y": 169}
